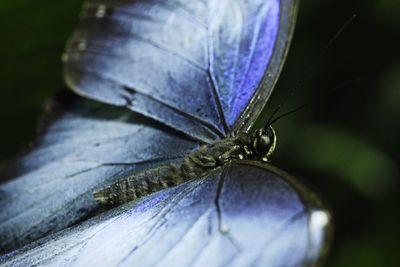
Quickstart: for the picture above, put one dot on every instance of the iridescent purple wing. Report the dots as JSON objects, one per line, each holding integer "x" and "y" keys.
{"x": 81, "y": 145}
{"x": 204, "y": 67}
{"x": 248, "y": 214}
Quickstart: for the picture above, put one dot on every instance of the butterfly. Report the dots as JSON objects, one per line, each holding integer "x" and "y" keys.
{"x": 164, "y": 96}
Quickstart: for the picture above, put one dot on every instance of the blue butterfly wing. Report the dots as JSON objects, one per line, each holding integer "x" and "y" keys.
{"x": 247, "y": 214}
{"x": 81, "y": 145}
{"x": 204, "y": 67}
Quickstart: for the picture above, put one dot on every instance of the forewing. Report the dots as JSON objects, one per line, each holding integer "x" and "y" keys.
{"x": 243, "y": 215}
{"x": 193, "y": 65}
{"x": 81, "y": 145}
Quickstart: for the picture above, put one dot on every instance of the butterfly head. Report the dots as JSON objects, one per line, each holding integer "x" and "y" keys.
{"x": 264, "y": 143}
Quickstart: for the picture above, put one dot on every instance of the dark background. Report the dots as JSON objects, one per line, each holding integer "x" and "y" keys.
{"x": 345, "y": 144}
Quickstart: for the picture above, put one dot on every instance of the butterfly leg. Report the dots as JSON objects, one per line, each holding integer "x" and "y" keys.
{"x": 236, "y": 152}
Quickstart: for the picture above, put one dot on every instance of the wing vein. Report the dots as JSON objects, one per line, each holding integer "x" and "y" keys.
{"x": 174, "y": 202}
{"x": 213, "y": 82}
{"x": 128, "y": 103}
{"x": 33, "y": 205}
{"x": 134, "y": 36}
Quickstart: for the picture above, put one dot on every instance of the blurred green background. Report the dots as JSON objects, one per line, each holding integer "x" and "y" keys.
{"x": 345, "y": 145}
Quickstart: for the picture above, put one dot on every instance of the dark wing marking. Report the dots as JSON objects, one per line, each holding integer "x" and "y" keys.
{"x": 204, "y": 59}
{"x": 243, "y": 215}
{"x": 82, "y": 145}
{"x": 148, "y": 106}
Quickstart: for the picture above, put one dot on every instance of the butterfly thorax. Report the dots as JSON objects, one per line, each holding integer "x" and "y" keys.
{"x": 258, "y": 145}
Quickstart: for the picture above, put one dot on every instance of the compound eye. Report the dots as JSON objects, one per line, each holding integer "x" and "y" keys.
{"x": 263, "y": 144}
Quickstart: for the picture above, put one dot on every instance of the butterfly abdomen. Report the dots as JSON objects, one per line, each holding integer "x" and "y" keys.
{"x": 194, "y": 166}
{"x": 141, "y": 184}
{"x": 137, "y": 186}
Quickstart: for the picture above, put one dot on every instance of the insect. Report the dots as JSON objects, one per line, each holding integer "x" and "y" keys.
{"x": 165, "y": 95}
{"x": 259, "y": 145}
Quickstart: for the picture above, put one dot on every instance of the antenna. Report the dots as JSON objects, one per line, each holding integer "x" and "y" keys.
{"x": 287, "y": 114}
{"x": 335, "y": 89}
{"x": 308, "y": 75}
